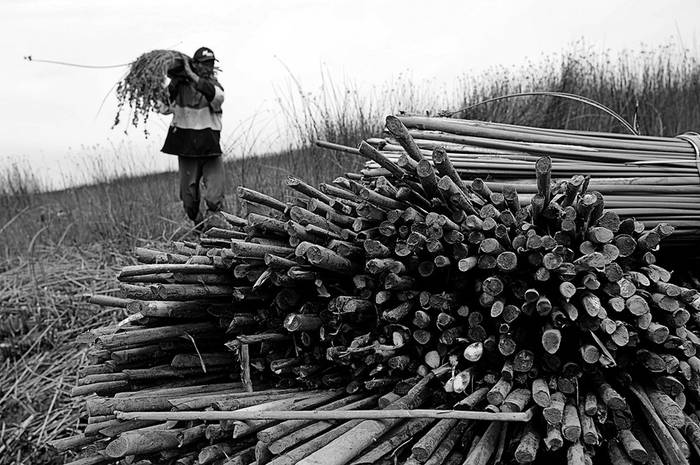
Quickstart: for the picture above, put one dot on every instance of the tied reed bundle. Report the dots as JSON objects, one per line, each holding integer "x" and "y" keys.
{"x": 143, "y": 87}
{"x": 653, "y": 179}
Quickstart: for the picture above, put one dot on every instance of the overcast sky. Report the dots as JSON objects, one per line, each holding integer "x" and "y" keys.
{"x": 51, "y": 114}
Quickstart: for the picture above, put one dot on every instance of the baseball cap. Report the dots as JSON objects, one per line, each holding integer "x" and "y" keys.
{"x": 204, "y": 54}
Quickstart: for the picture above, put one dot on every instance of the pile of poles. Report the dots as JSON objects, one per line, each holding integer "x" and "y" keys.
{"x": 403, "y": 315}
{"x": 653, "y": 179}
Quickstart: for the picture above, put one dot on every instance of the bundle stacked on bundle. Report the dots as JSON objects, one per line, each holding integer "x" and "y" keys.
{"x": 410, "y": 288}
{"x": 650, "y": 178}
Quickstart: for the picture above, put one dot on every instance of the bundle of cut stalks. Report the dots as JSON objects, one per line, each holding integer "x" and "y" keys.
{"x": 428, "y": 320}
{"x": 142, "y": 89}
{"x": 652, "y": 179}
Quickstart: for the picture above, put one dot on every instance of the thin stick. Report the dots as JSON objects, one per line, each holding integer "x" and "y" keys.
{"x": 327, "y": 415}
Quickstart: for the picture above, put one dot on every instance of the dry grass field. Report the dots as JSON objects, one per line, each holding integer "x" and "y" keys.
{"x": 57, "y": 246}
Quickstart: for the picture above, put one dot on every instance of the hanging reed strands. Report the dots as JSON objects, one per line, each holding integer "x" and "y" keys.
{"x": 412, "y": 290}
{"x": 142, "y": 89}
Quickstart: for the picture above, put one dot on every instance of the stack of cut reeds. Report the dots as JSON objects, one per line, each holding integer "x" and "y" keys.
{"x": 428, "y": 320}
{"x": 176, "y": 300}
{"x": 650, "y": 178}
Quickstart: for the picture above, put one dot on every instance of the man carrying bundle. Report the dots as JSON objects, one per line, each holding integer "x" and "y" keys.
{"x": 195, "y": 103}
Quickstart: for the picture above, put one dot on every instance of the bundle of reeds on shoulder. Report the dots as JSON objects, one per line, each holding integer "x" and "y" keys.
{"x": 143, "y": 89}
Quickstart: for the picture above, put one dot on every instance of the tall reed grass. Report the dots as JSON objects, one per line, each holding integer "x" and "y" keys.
{"x": 658, "y": 89}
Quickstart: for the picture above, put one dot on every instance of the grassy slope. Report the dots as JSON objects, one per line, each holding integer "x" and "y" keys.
{"x": 57, "y": 245}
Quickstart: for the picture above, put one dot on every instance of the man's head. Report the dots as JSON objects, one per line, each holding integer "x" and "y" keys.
{"x": 203, "y": 61}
